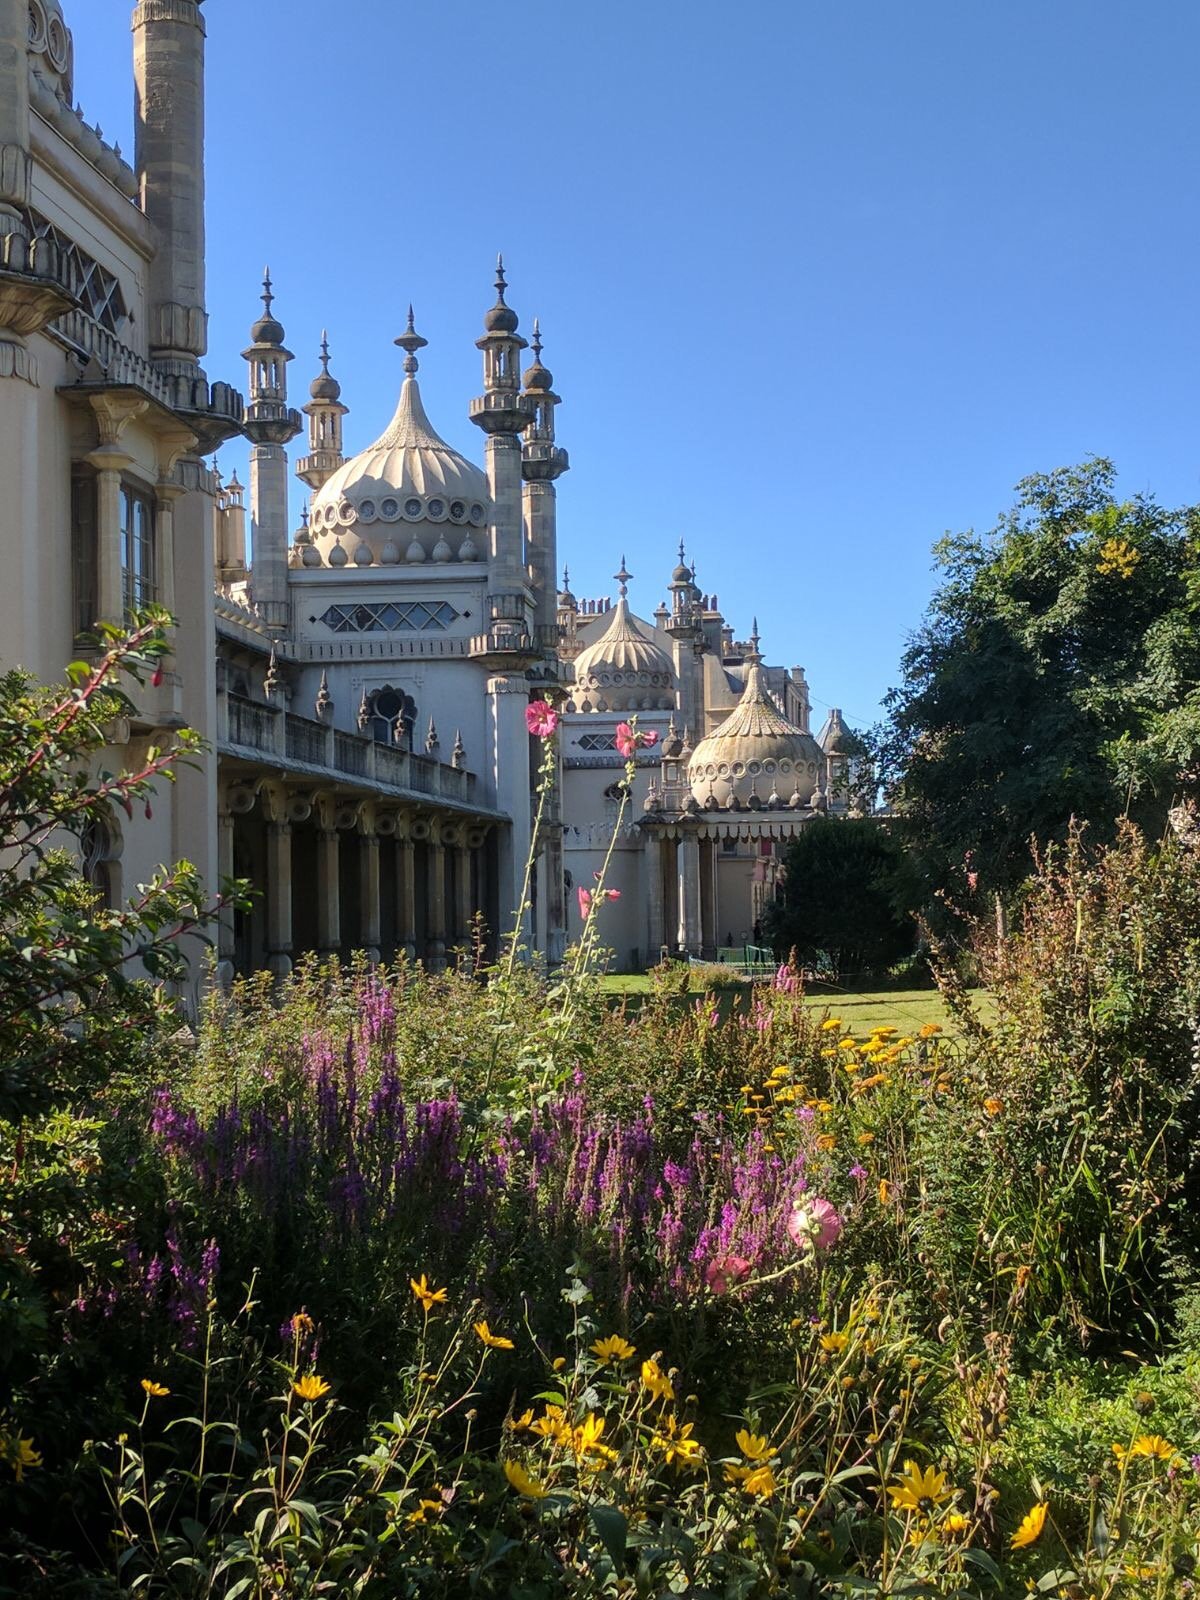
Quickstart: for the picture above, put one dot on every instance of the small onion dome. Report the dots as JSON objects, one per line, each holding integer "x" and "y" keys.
{"x": 268, "y": 329}
{"x": 537, "y": 377}
{"x": 325, "y": 386}
{"x": 682, "y": 573}
{"x": 625, "y": 667}
{"x": 501, "y": 318}
{"x": 756, "y": 741}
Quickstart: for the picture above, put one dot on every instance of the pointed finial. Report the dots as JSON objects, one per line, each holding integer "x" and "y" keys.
{"x": 566, "y": 577}
{"x": 325, "y": 351}
{"x": 682, "y": 554}
{"x": 304, "y": 514}
{"x": 622, "y": 579}
{"x": 431, "y": 738}
{"x": 324, "y": 701}
{"x": 267, "y": 296}
{"x": 410, "y": 341}
{"x": 364, "y": 712}
{"x": 458, "y": 756}
{"x": 537, "y": 339}
{"x": 501, "y": 283}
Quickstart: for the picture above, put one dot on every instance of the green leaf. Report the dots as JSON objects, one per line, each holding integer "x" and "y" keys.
{"x": 613, "y": 1529}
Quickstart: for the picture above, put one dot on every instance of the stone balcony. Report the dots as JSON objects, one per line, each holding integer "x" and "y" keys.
{"x": 301, "y": 748}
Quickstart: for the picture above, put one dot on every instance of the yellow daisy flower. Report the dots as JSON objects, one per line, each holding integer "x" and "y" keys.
{"x": 310, "y": 1387}
{"x": 614, "y": 1348}
{"x": 524, "y": 1482}
{"x": 494, "y": 1341}
{"x": 1031, "y": 1527}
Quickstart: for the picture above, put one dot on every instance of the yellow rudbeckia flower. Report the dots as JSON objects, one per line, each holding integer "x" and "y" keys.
{"x": 1031, "y": 1527}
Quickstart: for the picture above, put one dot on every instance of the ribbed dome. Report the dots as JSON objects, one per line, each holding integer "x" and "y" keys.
{"x": 409, "y": 475}
{"x": 754, "y": 750}
{"x": 623, "y": 670}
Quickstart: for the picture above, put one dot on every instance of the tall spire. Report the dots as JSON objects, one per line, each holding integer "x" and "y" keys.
{"x": 622, "y": 579}
{"x": 410, "y": 341}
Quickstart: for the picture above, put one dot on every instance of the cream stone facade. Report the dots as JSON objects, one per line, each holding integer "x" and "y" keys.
{"x": 363, "y": 678}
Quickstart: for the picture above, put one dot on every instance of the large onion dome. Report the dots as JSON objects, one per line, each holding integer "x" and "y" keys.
{"x": 755, "y": 751}
{"x": 409, "y": 490}
{"x": 624, "y": 669}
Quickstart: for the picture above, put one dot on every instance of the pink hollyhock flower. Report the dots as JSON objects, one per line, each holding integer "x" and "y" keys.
{"x": 723, "y": 1272}
{"x": 541, "y": 719}
{"x": 612, "y": 894}
{"x": 815, "y": 1225}
{"x": 585, "y": 900}
{"x": 629, "y": 740}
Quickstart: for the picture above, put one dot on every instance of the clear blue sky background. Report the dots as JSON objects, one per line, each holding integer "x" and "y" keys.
{"x": 817, "y": 281}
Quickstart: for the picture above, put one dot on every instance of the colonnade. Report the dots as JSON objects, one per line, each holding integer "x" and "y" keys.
{"x": 336, "y": 873}
{"x": 681, "y": 896}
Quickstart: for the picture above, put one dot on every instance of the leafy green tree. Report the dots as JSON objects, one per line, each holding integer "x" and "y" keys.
{"x": 836, "y": 907}
{"x": 80, "y": 981}
{"x": 1056, "y": 676}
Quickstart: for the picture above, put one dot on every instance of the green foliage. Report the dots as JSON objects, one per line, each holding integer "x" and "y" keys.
{"x": 1056, "y": 676}
{"x": 835, "y": 908}
{"x": 73, "y": 972}
{"x": 233, "y": 1364}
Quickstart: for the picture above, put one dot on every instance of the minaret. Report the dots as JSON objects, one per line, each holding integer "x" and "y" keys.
{"x": 504, "y": 413}
{"x": 686, "y": 632}
{"x": 269, "y": 425}
{"x": 168, "y": 65}
{"x": 324, "y": 412}
{"x": 542, "y": 461}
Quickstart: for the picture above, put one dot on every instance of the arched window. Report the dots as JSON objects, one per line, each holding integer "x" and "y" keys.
{"x": 98, "y": 851}
{"x": 384, "y": 706}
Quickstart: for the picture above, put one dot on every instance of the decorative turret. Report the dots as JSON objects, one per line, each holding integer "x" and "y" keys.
{"x": 503, "y": 413}
{"x": 685, "y": 628}
{"x": 324, "y": 412}
{"x": 231, "y": 532}
{"x": 542, "y": 461}
{"x": 685, "y": 596}
{"x": 269, "y": 424}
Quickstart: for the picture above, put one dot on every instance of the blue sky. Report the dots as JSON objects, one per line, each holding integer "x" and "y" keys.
{"x": 817, "y": 281}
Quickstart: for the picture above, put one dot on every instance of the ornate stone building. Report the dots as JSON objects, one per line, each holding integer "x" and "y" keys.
{"x": 362, "y": 678}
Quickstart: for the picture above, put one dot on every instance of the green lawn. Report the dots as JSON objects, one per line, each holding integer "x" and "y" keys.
{"x": 906, "y": 1009}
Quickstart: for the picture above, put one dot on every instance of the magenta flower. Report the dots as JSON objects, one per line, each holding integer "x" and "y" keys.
{"x": 723, "y": 1272}
{"x": 541, "y": 719}
{"x": 584, "y": 896}
{"x": 629, "y": 739}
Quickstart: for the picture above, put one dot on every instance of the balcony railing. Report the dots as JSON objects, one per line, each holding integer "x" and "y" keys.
{"x": 250, "y": 725}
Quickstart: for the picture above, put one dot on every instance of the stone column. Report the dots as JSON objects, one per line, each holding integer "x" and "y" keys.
{"x": 329, "y": 898}
{"x": 168, "y": 493}
{"x": 15, "y": 160}
{"x": 705, "y": 892}
{"x": 689, "y": 891}
{"x": 368, "y": 869}
{"x": 436, "y": 914}
{"x": 225, "y": 930}
{"x": 110, "y": 462}
{"x": 508, "y": 741}
{"x": 278, "y": 814}
{"x": 463, "y": 861}
{"x": 406, "y": 893}
{"x": 656, "y": 934}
